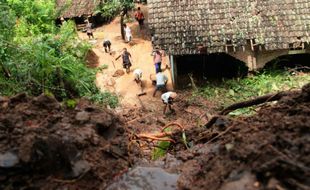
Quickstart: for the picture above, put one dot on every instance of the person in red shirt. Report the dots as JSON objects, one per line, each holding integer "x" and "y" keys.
{"x": 139, "y": 16}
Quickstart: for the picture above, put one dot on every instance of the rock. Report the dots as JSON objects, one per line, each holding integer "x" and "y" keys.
{"x": 79, "y": 168}
{"x": 8, "y": 160}
{"x": 102, "y": 120}
{"x": 189, "y": 171}
{"x": 141, "y": 178}
{"x": 274, "y": 184}
{"x": 229, "y": 146}
{"x": 171, "y": 163}
{"x": 82, "y": 116}
{"x": 46, "y": 101}
{"x": 245, "y": 181}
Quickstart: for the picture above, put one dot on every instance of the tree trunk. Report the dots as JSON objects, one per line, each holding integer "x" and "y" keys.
{"x": 122, "y": 28}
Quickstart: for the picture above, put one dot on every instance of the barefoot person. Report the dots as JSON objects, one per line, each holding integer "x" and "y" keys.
{"x": 126, "y": 56}
{"x": 167, "y": 99}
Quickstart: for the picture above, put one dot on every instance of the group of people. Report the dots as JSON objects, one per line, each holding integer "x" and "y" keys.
{"x": 161, "y": 80}
{"x": 167, "y": 97}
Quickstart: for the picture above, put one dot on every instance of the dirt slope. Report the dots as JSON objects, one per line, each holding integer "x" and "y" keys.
{"x": 140, "y": 49}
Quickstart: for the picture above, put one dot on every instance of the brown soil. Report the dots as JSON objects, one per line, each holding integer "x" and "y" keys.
{"x": 44, "y": 145}
{"x": 270, "y": 150}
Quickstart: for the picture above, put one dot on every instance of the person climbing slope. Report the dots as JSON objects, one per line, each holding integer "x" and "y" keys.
{"x": 126, "y": 56}
{"x": 139, "y": 16}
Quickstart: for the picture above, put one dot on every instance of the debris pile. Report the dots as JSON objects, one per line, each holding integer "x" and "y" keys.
{"x": 270, "y": 150}
{"x": 44, "y": 145}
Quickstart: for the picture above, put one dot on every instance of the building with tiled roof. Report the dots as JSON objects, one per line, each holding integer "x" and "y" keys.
{"x": 253, "y": 31}
{"x": 76, "y": 8}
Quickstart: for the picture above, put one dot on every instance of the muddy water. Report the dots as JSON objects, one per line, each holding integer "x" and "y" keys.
{"x": 146, "y": 178}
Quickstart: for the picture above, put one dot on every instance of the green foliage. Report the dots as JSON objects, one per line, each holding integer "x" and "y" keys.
{"x": 231, "y": 91}
{"x": 111, "y": 8}
{"x": 162, "y": 147}
{"x": 105, "y": 98}
{"x": 160, "y": 150}
{"x": 38, "y": 57}
{"x": 34, "y": 16}
{"x": 71, "y": 103}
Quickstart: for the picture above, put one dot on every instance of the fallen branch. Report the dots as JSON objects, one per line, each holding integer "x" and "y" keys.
{"x": 248, "y": 103}
{"x": 155, "y": 138}
{"x": 173, "y": 123}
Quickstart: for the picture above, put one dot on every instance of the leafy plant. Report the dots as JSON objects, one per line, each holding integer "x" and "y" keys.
{"x": 111, "y": 8}
{"x": 37, "y": 57}
{"x": 230, "y": 91}
{"x": 160, "y": 150}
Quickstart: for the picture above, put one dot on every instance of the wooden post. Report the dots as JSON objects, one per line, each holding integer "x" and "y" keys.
{"x": 251, "y": 42}
{"x": 122, "y": 27}
{"x": 173, "y": 70}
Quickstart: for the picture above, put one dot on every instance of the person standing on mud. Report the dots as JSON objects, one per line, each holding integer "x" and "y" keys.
{"x": 107, "y": 45}
{"x": 139, "y": 16}
{"x": 167, "y": 99}
{"x": 157, "y": 58}
{"x": 128, "y": 35}
{"x": 126, "y": 56}
{"x": 161, "y": 81}
{"x": 89, "y": 30}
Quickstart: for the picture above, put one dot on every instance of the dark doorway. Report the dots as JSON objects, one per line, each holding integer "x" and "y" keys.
{"x": 208, "y": 67}
{"x": 300, "y": 62}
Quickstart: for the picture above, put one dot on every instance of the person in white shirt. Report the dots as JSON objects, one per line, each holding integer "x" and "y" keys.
{"x": 127, "y": 33}
{"x": 167, "y": 99}
{"x": 137, "y": 73}
{"x": 161, "y": 81}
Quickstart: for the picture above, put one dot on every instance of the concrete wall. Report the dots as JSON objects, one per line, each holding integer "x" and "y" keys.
{"x": 253, "y": 59}
{"x": 258, "y": 59}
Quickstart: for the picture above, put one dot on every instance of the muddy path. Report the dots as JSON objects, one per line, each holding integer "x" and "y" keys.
{"x": 140, "y": 49}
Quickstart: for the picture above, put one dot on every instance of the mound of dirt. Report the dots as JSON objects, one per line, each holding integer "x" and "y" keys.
{"x": 118, "y": 73}
{"x": 270, "y": 150}
{"x": 44, "y": 145}
{"x": 92, "y": 59}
